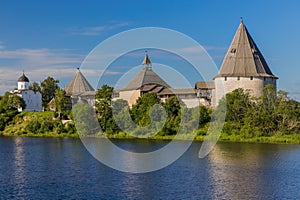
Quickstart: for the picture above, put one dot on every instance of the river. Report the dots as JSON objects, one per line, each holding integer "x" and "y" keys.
{"x": 61, "y": 168}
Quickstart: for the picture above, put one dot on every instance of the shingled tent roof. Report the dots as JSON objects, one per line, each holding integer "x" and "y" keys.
{"x": 243, "y": 58}
{"x": 78, "y": 85}
{"x": 145, "y": 77}
{"x": 204, "y": 85}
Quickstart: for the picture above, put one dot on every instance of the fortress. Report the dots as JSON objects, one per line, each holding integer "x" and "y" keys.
{"x": 243, "y": 67}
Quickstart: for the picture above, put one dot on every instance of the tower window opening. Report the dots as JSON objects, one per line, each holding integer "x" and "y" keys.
{"x": 251, "y": 78}
{"x": 225, "y": 78}
{"x": 238, "y": 78}
{"x": 233, "y": 50}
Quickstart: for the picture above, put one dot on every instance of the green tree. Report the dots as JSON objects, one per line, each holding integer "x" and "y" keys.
{"x": 49, "y": 85}
{"x": 173, "y": 109}
{"x": 271, "y": 114}
{"x": 141, "y": 110}
{"x": 60, "y": 100}
{"x": 35, "y": 87}
{"x": 11, "y": 102}
{"x": 119, "y": 105}
{"x": 263, "y": 116}
{"x": 9, "y": 105}
{"x": 122, "y": 116}
{"x": 238, "y": 102}
{"x": 84, "y": 118}
{"x": 204, "y": 115}
{"x": 104, "y": 109}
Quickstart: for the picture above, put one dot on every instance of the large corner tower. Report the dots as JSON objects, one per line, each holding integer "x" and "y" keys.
{"x": 243, "y": 67}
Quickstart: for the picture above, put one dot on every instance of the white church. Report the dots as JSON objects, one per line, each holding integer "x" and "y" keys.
{"x": 33, "y": 99}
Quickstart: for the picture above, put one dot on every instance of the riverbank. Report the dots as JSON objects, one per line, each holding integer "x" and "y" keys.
{"x": 284, "y": 139}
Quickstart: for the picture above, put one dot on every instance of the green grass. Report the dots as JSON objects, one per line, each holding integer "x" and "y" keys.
{"x": 278, "y": 139}
{"x": 285, "y": 139}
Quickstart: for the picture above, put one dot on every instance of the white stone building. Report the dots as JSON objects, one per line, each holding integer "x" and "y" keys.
{"x": 33, "y": 99}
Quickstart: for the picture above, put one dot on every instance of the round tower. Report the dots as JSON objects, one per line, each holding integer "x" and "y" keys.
{"x": 23, "y": 82}
{"x": 243, "y": 67}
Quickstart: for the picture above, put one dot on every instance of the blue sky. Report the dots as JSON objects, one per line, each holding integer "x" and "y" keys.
{"x": 53, "y": 37}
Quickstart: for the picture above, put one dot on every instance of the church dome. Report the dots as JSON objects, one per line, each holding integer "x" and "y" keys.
{"x": 23, "y": 78}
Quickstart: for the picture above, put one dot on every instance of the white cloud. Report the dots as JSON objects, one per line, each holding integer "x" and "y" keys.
{"x": 97, "y": 30}
{"x": 41, "y": 57}
{"x": 39, "y": 64}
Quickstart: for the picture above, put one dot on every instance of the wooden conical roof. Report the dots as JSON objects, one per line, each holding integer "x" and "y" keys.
{"x": 145, "y": 77}
{"x": 78, "y": 85}
{"x": 243, "y": 58}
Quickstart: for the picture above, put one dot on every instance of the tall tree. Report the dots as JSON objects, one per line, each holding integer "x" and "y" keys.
{"x": 60, "y": 100}
{"x": 103, "y": 106}
{"x": 85, "y": 119}
{"x": 141, "y": 109}
{"x": 35, "y": 87}
{"x": 238, "y": 102}
{"x": 49, "y": 85}
{"x": 121, "y": 115}
{"x": 173, "y": 109}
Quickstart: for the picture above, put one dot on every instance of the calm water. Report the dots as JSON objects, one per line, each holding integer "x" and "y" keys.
{"x": 35, "y": 168}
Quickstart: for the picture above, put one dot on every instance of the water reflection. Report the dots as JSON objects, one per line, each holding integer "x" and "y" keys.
{"x": 133, "y": 161}
{"x": 47, "y": 168}
{"x": 19, "y": 165}
{"x": 239, "y": 171}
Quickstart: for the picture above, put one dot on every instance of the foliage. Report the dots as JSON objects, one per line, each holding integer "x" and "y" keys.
{"x": 271, "y": 117}
{"x": 85, "y": 119}
{"x": 122, "y": 115}
{"x": 271, "y": 114}
{"x": 35, "y": 87}
{"x": 104, "y": 109}
{"x": 49, "y": 85}
{"x": 204, "y": 116}
{"x": 60, "y": 100}
{"x": 173, "y": 109}
{"x": 9, "y": 105}
{"x": 11, "y": 102}
{"x": 141, "y": 110}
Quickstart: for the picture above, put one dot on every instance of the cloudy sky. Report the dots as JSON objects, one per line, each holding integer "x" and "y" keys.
{"x": 52, "y": 38}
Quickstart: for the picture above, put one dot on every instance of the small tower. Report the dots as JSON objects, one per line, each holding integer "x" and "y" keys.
{"x": 147, "y": 62}
{"x": 145, "y": 81}
{"x": 23, "y": 82}
{"x": 243, "y": 67}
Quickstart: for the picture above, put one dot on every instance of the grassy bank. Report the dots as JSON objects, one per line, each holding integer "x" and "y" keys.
{"x": 49, "y": 125}
{"x": 276, "y": 139}
{"x": 285, "y": 139}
